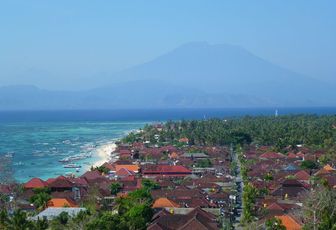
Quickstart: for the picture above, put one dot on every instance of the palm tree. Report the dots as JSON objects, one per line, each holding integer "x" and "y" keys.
{"x": 3, "y": 219}
{"x": 19, "y": 221}
{"x": 41, "y": 224}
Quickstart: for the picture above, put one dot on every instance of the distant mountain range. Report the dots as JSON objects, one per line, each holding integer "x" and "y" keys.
{"x": 195, "y": 75}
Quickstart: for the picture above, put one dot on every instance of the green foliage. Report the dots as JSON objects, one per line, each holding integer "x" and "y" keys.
{"x": 204, "y": 163}
{"x": 19, "y": 221}
{"x": 233, "y": 168}
{"x": 40, "y": 198}
{"x": 320, "y": 205}
{"x": 131, "y": 137}
{"x": 280, "y": 132}
{"x": 274, "y": 224}
{"x": 80, "y": 221}
{"x": 132, "y": 212}
{"x": 41, "y": 224}
{"x": 63, "y": 218}
{"x": 106, "y": 221}
{"x": 268, "y": 177}
{"x": 3, "y": 218}
{"x": 101, "y": 169}
{"x": 115, "y": 188}
{"x": 309, "y": 164}
{"x": 249, "y": 196}
{"x": 4, "y": 198}
{"x": 149, "y": 184}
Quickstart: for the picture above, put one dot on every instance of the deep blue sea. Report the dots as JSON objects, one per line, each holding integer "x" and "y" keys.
{"x": 37, "y": 140}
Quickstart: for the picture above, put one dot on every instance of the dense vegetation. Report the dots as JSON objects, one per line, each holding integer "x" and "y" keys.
{"x": 280, "y": 132}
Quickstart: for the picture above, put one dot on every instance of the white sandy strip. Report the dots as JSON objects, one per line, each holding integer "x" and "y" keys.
{"x": 104, "y": 153}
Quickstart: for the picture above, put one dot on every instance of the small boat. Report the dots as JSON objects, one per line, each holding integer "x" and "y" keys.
{"x": 64, "y": 160}
{"x": 9, "y": 155}
{"x": 72, "y": 166}
{"x": 18, "y": 163}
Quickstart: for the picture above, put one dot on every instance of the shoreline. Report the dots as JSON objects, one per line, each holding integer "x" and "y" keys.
{"x": 104, "y": 153}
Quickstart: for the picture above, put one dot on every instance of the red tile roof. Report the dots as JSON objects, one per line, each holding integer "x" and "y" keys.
{"x": 35, "y": 183}
{"x": 124, "y": 172}
{"x": 164, "y": 202}
{"x": 61, "y": 202}
{"x": 61, "y": 182}
{"x": 291, "y": 155}
{"x": 92, "y": 176}
{"x": 289, "y": 222}
{"x": 108, "y": 166}
{"x": 130, "y": 167}
{"x": 302, "y": 175}
{"x": 166, "y": 170}
{"x": 272, "y": 155}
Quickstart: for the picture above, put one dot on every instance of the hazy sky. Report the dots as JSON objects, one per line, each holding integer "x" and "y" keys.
{"x": 77, "y": 39}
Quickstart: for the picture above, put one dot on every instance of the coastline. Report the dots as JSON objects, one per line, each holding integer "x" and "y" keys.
{"x": 104, "y": 153}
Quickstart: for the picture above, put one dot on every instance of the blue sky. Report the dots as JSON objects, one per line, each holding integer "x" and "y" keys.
{"x": 76, "y": 39}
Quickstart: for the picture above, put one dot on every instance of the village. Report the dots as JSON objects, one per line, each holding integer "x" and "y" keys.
{"x": 193, "y": 186}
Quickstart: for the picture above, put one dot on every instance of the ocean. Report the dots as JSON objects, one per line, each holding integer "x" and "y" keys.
{"x": 35, "y": 141}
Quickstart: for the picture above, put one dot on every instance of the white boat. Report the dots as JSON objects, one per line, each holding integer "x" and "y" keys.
{"x": 72, "y": 166}
{"x": 9, "y": 155}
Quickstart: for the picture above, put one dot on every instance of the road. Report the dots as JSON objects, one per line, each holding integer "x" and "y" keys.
{"x": 240, "y": 188}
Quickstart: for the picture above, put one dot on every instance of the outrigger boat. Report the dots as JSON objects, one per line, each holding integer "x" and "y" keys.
{"x": 72, "y": 166}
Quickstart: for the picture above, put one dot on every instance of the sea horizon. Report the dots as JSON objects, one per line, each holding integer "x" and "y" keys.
{"x": 154, "y": 114}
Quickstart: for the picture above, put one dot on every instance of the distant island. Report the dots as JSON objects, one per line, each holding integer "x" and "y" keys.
{"x": 261, "y": 172}
{"x": 194, "y": 75}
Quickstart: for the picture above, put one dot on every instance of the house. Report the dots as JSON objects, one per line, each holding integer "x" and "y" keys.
{"x": 330, "y": 179}
{"x": 129, "y": 167}
{"x": 291, "y": 155}
{"x": 93, "y": 177}
{"x": 219, "y": 198}
{"x": 5, "y": 189}
{"x": 35, "y": 183}
{"x": 277, "y": 208}
{"x": 195, "y": 155}
{"x": 108, "y": 166}
{"x": 125, "y": 153}
{"x": 61, "y": 202}
{"x": 52, "y": 212}
{"x": 195, "y": 219}
{"x": 323, "y": 172}
{"x": 290, "y": 168}
{"x": 130, "y": 185}
{"x": 163, "y": 202}
{"x": 60, "y": 183}
{"x": 272, "y": 155}
{"x": 290, "y": 222}
{"x": 166, "y": 170}
{"x": 159, "y": 127}
{"x": 289, "y": 188}
{"x": 173, "y": 156}
{"x": 328, "y": 168}
{"x": 302, "y": 176}
{"x": 185, "y": 197}
{"x": 125, "y": 173}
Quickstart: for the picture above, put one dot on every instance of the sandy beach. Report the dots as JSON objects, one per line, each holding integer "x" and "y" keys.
{"x": 104, "y": 153}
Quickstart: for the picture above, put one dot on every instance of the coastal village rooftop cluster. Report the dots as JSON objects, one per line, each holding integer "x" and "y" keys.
{"x": 199, "y": 187}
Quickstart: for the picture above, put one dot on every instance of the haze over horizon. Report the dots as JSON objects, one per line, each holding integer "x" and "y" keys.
{"x": 192, "y": 53}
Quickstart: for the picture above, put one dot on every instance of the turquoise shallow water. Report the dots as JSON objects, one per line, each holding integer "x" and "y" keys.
{"x": 37, "y": 147}
{"x": 39, "y": 139}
